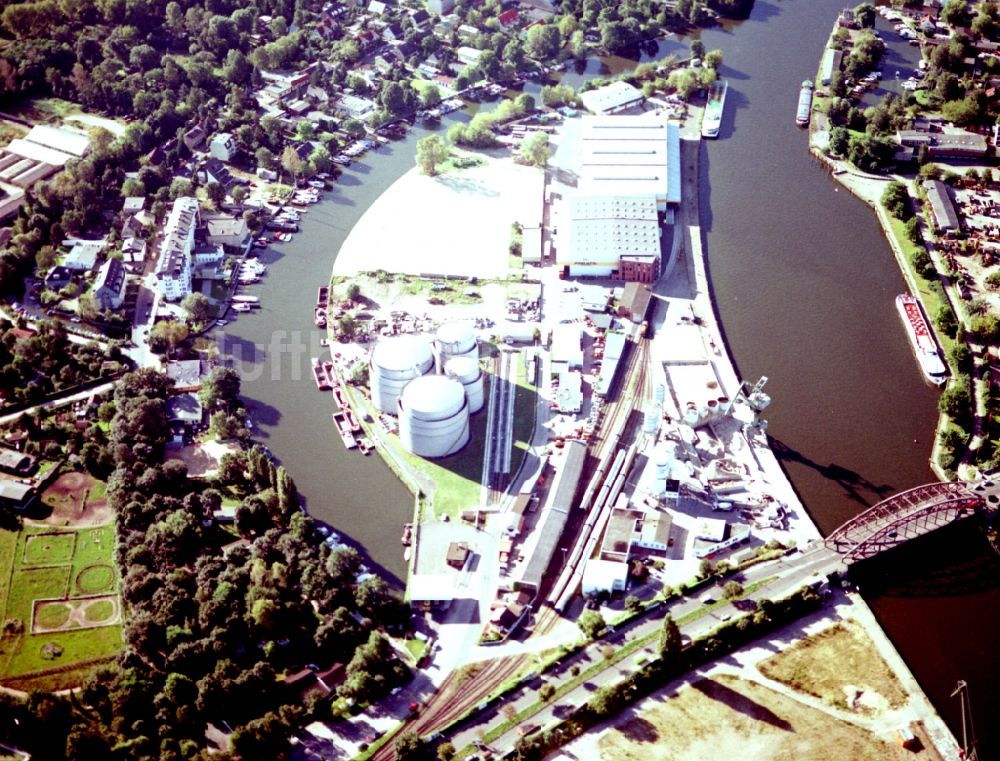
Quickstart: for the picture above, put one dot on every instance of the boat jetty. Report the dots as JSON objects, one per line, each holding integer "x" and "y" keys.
{"x": 712, "y": 119}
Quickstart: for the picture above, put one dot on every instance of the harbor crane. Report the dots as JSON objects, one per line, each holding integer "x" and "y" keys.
{"x": 968, "y": 731}
{"x": 756, "y": 400}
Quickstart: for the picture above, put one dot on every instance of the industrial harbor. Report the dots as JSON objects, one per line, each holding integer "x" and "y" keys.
{"x": 639, "y": 444}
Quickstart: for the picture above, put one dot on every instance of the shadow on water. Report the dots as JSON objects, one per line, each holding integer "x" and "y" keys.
{"x": 728, "y": 72}
{"x": 851, "y": 482}
{"x": 736, "y": 102}
{"x": 954, "y": 560}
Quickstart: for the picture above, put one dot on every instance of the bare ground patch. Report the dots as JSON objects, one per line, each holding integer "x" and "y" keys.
{"x": 840, "y": 666}
{"x": 727, "y": 717}
{"x": 77, "y": 500}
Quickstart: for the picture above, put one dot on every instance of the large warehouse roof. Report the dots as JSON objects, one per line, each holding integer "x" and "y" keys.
{"x": 603, "y": 228}
{"x": 560, "y": 501}
{"x": 630, "y": 155}
{"x": 611, "y": 97}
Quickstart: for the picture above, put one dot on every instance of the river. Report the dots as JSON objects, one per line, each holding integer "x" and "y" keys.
{"x": 804, "y": 283}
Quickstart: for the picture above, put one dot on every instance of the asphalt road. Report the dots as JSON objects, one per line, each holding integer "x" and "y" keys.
{"x": 790, "y": 573}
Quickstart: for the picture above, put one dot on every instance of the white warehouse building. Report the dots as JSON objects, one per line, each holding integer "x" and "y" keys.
{"x": 467, "y": 372}
{"x": 433, "y": 416}
{"x": 455, "y": 339}
{"x": 396, "y": 361}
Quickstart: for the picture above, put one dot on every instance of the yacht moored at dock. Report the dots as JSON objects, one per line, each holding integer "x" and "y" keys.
{"x": 805, "y": 104}
{"x": 712, "y": 119}
{"x": 925, "y": 345}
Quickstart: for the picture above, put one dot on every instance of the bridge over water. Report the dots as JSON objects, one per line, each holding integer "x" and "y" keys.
{"x": 911, "y": 514}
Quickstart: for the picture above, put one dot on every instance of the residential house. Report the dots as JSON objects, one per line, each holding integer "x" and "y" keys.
{"x": 223, "y": 147}
{"x": 214, "y": 170}
{"x": 440, "y": 7}
{"x": 173, "y": 269}
{"x": 109, "y": 287}
{"x": 184, "y": 413}
{"x": 194, "y": 138}
{"x": 83, "y": 254}
{"x": 134, "y": 251}
{"x": 58, "y": 278}
{"x": 133, "y": 205}
{"x": 228, "y": 231}
{"x": 187, "y": 374}
{"x": 355, "y": 107}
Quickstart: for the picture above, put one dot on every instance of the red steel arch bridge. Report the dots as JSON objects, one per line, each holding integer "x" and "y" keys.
{"x": 911, "y": 514}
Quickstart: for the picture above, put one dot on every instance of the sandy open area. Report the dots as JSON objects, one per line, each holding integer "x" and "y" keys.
{"x": 453, "y": 224}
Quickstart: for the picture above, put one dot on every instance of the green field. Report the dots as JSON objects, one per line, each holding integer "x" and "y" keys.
{"x": 47, "y": 563}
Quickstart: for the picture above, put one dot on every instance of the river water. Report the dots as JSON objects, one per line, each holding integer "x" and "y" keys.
{"x": 804, "y": 283}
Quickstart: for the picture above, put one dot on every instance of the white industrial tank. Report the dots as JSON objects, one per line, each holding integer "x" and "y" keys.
{"x": 455, "y": 339}
{"x": 466, "y": 371}
{"x": 395, "y": 361}
{"x": 433, "y": 416}
{"x": 663, "y": 460}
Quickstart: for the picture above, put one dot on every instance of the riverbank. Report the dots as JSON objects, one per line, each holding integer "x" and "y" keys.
{"x": 918, "y": 702}
{"x": 870, "y": 188}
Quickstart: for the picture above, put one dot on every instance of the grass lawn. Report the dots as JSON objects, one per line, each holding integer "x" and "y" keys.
{"x": 834, "y": 663}
{"x": 727, "y": 717}
{"x": 8, "y": 546}
{"x": 49, "y": 548}
{"x": 457, "y": 478}
{"x": 42, "y": 563}
{"x": 385, "y": 288}
{"x": 416, "y": 648}
{"x": 931, "y": 292}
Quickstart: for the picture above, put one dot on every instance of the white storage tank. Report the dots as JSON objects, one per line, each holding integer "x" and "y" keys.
{"x": 466, "y": 371}
{"x": 433, "y": 416}
{"x": 663, "y": 460}
{"x": 456, "y": 339}
{"x": 395, "y": 361}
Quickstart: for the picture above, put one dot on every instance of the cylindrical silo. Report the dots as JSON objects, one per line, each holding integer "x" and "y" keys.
{"x": 663, "y": 460}
{"x": 651, "y": 420}
{"x": 433, "y": 416}
{"x": 455, "y": 339}
{"x": 466, "y": 371}
{"x": 396, "y": 361}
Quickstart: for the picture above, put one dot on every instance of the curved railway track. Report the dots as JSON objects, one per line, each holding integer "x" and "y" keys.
{"x": 462, "y": 692}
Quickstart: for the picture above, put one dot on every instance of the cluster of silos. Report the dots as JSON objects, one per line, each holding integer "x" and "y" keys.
{"x": 709, "y": 411}
{"x": 395, "y": 362}
{"x": 433, "y": 409}
{"x": 466, "y": 371}
{"x": 455, "y": 339}
{"x": 433, "y": 416}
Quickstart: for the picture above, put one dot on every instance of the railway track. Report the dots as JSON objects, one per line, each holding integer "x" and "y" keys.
{"x": 463, "y": 691}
